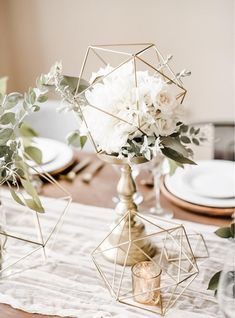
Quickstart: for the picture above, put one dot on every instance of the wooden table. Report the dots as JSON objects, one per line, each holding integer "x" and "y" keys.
{"x": 100, "y": 192}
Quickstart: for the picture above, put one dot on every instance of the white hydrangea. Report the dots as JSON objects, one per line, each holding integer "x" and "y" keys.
{"x": 152, "y": 104}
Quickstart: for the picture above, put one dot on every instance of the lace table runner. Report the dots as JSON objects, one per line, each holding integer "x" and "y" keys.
{"x": 68, "y": 284}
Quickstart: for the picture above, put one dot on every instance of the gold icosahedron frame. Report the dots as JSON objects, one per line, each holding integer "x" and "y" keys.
{"x": 174, "y": 256}
{"x": 144, "y": 56}
{"x": 26, "y": 239}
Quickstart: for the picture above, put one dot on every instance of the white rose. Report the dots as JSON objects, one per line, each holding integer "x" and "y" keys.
{"x": 166, "y": 101}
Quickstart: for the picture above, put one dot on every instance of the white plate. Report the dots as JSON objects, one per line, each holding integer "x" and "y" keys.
{"x": 202, "y": 184}
{"x": 56, "y": 155}
{"x": 212, "y": 179}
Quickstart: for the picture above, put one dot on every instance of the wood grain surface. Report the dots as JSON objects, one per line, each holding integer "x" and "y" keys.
{"x": 99, "y": 193}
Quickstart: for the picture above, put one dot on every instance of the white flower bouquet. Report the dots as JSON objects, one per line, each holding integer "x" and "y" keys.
{"x": 126, "y": 120}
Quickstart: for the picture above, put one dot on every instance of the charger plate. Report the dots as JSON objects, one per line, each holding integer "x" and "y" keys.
{"x": 201, "y": 209}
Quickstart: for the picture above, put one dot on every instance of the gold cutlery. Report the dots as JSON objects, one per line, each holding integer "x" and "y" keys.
{"x": 71, "y": 175}
{"x": 88, "y": 176}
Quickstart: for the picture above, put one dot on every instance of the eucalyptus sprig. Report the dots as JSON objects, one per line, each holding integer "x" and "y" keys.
{"x": 14, "y": 172}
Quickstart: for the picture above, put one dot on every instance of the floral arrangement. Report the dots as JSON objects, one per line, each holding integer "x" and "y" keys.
{"x": 108, "y": 113}
{"x": 15, "y": 151}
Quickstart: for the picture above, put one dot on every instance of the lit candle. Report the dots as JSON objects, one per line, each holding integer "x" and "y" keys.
{"x": 146, "y": 282}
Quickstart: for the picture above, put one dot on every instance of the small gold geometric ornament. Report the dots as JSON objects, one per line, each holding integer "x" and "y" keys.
{"x": 26, "y": 236}
{"x": 173, "y": 255}
{"x": 122, "y": 59}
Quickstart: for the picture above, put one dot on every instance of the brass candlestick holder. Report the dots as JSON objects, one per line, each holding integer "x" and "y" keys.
{"x": 127, "y": 225}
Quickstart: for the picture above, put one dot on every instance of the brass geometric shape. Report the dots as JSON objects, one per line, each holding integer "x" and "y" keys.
{"x": 26, "y": 239}
{"x": 174, "y": 256}
{"x": 119, "y": 59}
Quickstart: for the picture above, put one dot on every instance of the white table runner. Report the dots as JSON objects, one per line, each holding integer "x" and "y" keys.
{"x": 68, "y": 285}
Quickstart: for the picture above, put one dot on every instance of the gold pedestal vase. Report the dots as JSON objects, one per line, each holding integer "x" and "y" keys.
{"x": 126, "y": 224}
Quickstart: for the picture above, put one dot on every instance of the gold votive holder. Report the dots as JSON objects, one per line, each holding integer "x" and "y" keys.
{"x": 146, "y": 277}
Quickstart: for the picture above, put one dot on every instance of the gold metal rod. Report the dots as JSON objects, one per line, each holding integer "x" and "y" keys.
{"x": 111, "y": 51}
{"x": 143, "y": 50}
{"x": 102, "y": 60}
{"x": 21, "y": 239}
{"x": 101, "y": 79}
{"x": 151, "y": 66}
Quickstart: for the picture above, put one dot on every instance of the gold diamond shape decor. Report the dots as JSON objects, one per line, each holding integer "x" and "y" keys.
{"x": 172, "y": 253}
{"x": 122, "y": 57}
{"x": 26, "y": 237}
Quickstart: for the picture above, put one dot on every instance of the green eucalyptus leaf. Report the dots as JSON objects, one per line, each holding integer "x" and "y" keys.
{"x": 7, "y": 118}
{"x": 174, "y": 155}
{"x": 3, "y": 150}
{"x": 27, "y": 131}
{"x": 196, "y": 141}
{"x": 12, "y": 100}
{"x": 213, "y": 283}
{"x": 173, "y": 166}
{"x": 42, "y": 98}
{"x": 197, "y": 131}
{"x": 83, "y": 140}
{"x": 192, "y": 130}
{"x": 72, "y": 83}
{"x": 5, "y": 135}
{"x": 185, "y": 139}
{"x": 223, "y": 232}
{"x": 32, "y": 204}
{"x": 73, "y": 137}
{"x": 16, "y": 197}
{"x": 36, "y": 108}
{"x": 174, "y": 144}
{"x": 29, "y": 188}
{"x": 184, "y": 128}
{"x": 34, "y": 153}
{"x": 32, "y": 96}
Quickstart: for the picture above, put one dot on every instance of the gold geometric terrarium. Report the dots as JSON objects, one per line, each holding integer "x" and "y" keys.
{"x": 26, "y": 237}
{"x": 120, "y": 61}
{"x": 173, "y": 255}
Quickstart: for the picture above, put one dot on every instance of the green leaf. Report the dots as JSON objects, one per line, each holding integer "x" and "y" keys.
{"x": 192, "y": 130}
{"x": 232, "y": 229}
{"x": 174, "y": 144}
{"x": 28, "y": 188}
{"x": 174, "y": 155}
{"x": 184, "y": 128}
{"x": 12, "y": 100}
{"x": 223, "y": 232}
{"x": 3, "y": 150}
{"x": 72, "y": 82}
{"x": 83, "y": 140}
{"x": 197, "y": 131}
{"x": 34, "y": 153}
{"x": 195, "y": 141}
{"x": 16, "y": 197}
{"x": 42, "y": 98}
{"x": 185, "y": 139}
{"x": 27, "y": 131}
{"x": 3, "y": 85}
{"x": 5, "y": 135}
{"x": 32, "y": 96}
{"x": 213, "y": 283}
{"x": 173, "y": 166}
{"x": 36, "y": 108}
{"x": 7, "y": 118}
{"x": 73, "y": 137}
{"x": 32, "y": 204}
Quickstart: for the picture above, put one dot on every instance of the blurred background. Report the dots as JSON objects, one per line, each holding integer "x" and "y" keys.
{"x": 200, "y": 35}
